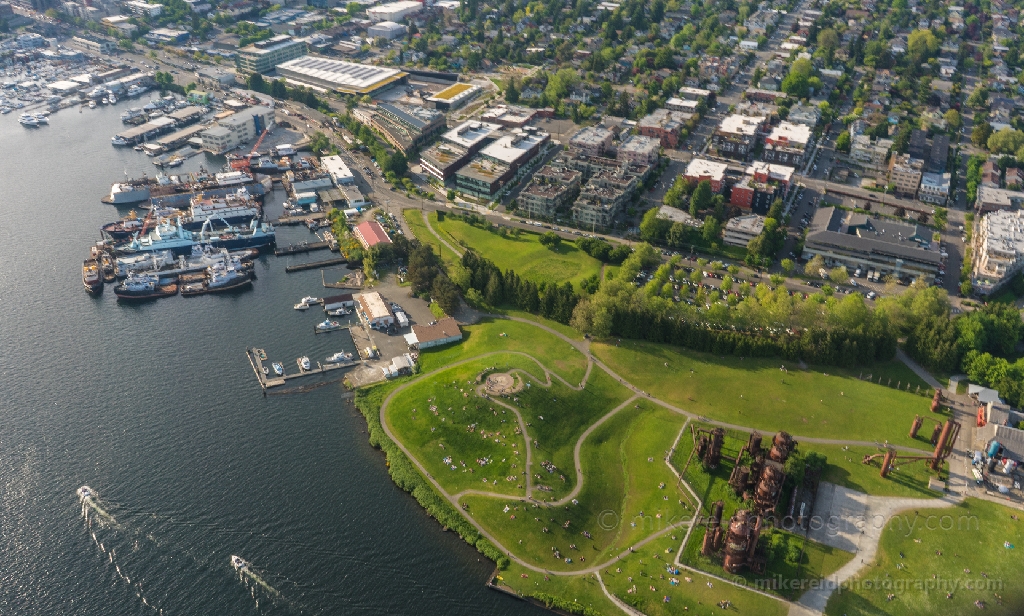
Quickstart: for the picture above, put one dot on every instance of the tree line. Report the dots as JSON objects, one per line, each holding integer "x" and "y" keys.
{"x": 483, "y": 282}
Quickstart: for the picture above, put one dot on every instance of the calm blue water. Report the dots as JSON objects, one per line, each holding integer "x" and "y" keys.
{"x": 156, "y": 408}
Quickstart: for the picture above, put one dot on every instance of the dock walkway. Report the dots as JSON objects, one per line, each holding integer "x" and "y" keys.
{"x": 266, "y": 381}
{"x": 315, "y": 264}
{"x": 301, "y": 247}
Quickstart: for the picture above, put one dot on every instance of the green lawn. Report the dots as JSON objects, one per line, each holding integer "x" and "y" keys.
{"x": 817, "y": 561}
{"x": 974, "y": 565}
{"x": 414, "y": 218}
{"x": 628, "y": 493}
{"x": 755, "y": 392}
{"x": 557, "y": 355}
{"x": 445, "y": 425}
{"x": 648, "y": 567}
{"x": 582, "y": 590}
{"x": 526, "y": 255}
{"x": 845, "y": 468}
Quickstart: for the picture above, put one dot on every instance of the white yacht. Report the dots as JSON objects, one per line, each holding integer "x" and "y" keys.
{"x": 42, "y": 119}
{"x": 301, "y": 306}
{"x": 29, "y": 120}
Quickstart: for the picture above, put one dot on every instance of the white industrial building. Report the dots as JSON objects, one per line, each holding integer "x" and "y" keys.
{"x": 388, "y": 30}
{"x": 393, "y": 11}
{"x": 338, "y": 170}
{"x": 998, "y": 249}
{"x": 237, "y": 129}
{"x": 340, "y": 76}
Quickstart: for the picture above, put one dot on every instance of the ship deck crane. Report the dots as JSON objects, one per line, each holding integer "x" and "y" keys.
{"x": 242, "y": 164}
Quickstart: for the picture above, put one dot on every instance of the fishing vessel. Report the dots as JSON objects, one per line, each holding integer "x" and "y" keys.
{"x": 327, "y": 326}
{"x": 92, "y": 278}
{"x": 257, "y": 235}
{"x": 233, "y": 208}
{"x": 220, "y": 278}
{"x": 138, "y": 287}
{"x": 124, "y": 228}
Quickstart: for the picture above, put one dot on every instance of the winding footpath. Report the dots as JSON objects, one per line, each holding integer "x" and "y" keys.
{"x": 809, "y": 603}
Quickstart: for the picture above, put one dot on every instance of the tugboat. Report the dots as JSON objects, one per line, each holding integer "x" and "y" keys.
{"x": 91, "y": 277}
{"x": 107, "y": 267}
{"x": 139, "y": 287}
{"x": 239, "y": 564}
{"x": 278, "y": 368}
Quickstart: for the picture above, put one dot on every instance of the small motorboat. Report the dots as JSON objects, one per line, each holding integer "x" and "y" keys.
{"x": 84, "y": 492}
{"x": 266, "y": 370}
{"x": 304, "y": 362}
{"x": 278, "y": 368}
{"x": 92, "y": 104}
{"x": 328, "y": 326}
{"x": 338, "y": 312}
{"x": 301, "y": 306}
{"x": 339, "y": 357}
{"x": 238, "y": 563}
{"x": 309, "y": 299}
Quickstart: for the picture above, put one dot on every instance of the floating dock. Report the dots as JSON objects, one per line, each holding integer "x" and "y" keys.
{"x": 300, "y": 220}
{"x": 301, "y": 247}
{"x": 315, "y": 264}
{"x": 267, "y": 381}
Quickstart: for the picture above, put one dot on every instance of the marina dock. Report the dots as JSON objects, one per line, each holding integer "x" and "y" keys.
{"x": 301, "y": 247}
{"x": 315, "y": 264}
{"x": 267, "y": 381}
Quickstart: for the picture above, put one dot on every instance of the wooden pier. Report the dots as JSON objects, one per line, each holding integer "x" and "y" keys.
{"x": 301, "y": 247}
{"x": 315, "y": 264}
{"x": 267, "y": 381}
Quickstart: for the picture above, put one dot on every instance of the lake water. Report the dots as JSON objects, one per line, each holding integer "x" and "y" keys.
{"x": 156, "y": 408}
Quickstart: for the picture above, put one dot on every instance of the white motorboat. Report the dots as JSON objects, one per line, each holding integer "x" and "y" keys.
{"x": 120, "y": 141}
{"x": 5, "y": 110}
{"x": 112, "y": 99}
{"x": 328, "y": 326}
{"x": 92, "y": 104}
{"x": 41, "y": 118}
{"x": 238, "y": 563}
{"x": 84, "y": 493}
{"x": 304, "y": 362}
{"x": 309, "y": 299}
{"x": 301, "y": 306}
{"x": 339, "y": 357}
{"x": 278, "y": 368}
{"x": 338, "y": 312}
{"x": 28, "y": 120}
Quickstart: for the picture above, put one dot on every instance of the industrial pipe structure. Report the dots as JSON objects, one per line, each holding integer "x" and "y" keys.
{"x": 946, "y": 436}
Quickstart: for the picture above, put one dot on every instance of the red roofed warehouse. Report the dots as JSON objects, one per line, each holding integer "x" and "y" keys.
{"x": 370, "y": 234}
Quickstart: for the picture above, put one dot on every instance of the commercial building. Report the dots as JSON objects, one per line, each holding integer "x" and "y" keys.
{"x": 700, "y": 169}
{"x": 263, "y": 56}
{"x": 509, "y": 116}
{"x": 637, "y": 149}
{"x": 905, "y": 174}
{"x": 501, "y": 163}
{"x": 455, "y": 148}
{"x": 454, "y": 96}
{"x": 340, "y": 76}
{"x": 990, "y": 199}
{"x": 393, "y": 11}
{"x": 664, "y": 125}
{"x": 787, "y": 143}
{"x": 374, "y": 311}
{"x": 338, "y": 170}
{"x": 387, "y": 30}
{"x": 444, "y": 331}
{"x": 870, "y": 154}
{"x": 857, "y": 241}
{"x": 370, "y": 234}
{"x": 167, "y": 35}
{"x": 934, "y": 188}
{"x": 998, "y": 249}
{"x": 694, "y": 94}
{"x": 682, "y": 104}
{"x": 740, "y": 230}
{"x": 551, "y": 189}
{"x": 237, "y": 129}
{"x": 592, "y": 141}
{"x": 97, "y": 46}
{"x": 406, "y": 126}
{"x": 737, "y": 135}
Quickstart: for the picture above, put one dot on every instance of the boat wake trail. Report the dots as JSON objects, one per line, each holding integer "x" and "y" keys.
{"x": 247, "y": 574}
{"x": 98, "y": 519}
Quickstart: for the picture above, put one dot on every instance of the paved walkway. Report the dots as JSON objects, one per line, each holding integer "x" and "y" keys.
{"x": 918, "y": 370}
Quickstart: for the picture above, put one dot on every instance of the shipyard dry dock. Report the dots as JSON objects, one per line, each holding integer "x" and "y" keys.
{"x": 256, "y": 359}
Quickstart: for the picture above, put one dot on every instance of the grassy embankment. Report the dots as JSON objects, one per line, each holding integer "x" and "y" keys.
{"x": 819, "y": 402}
